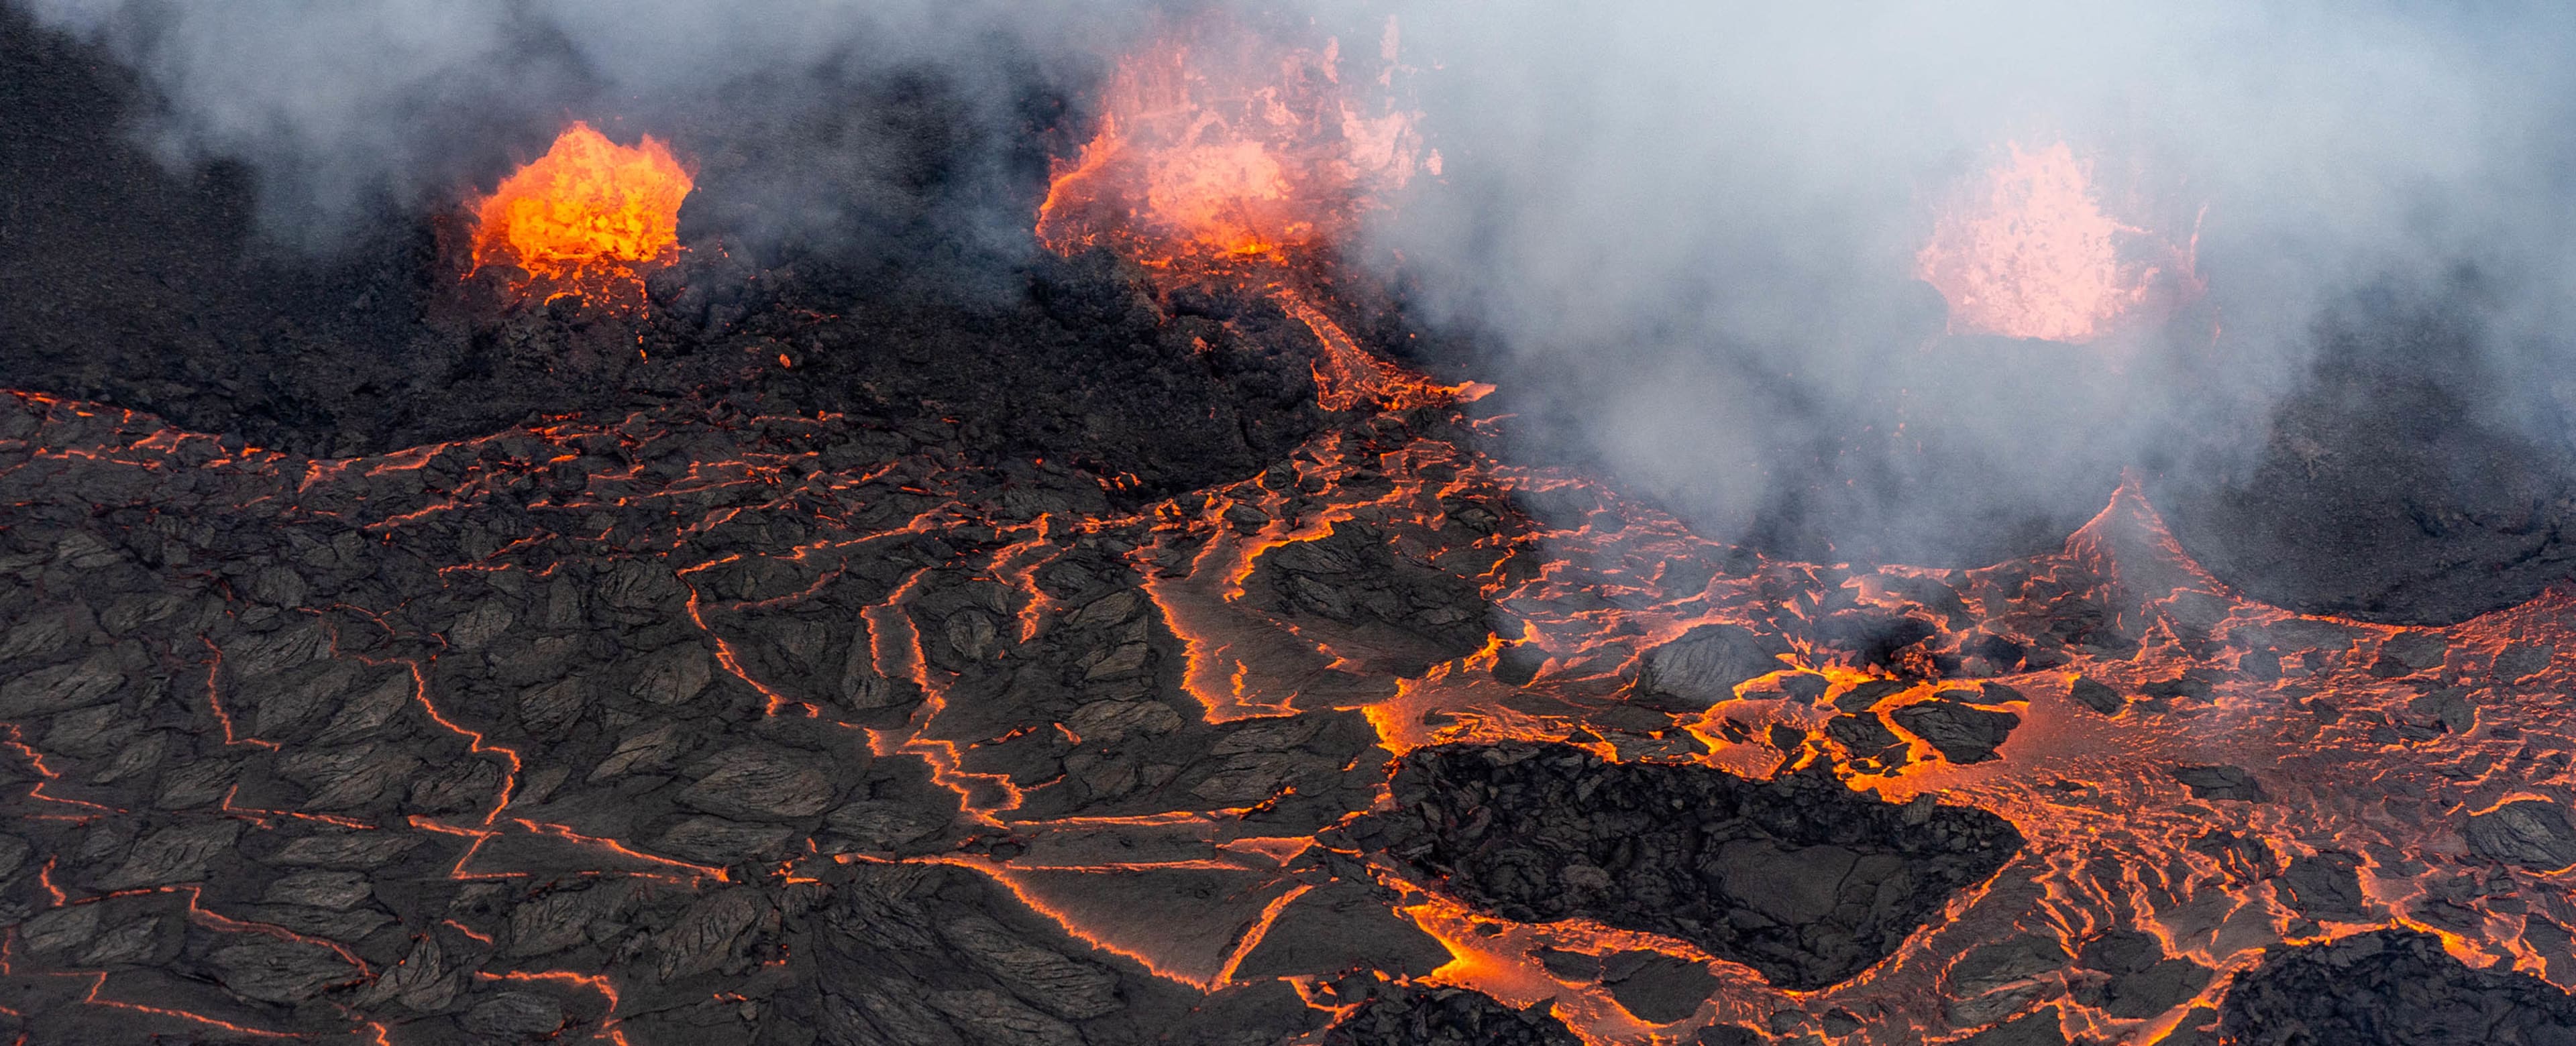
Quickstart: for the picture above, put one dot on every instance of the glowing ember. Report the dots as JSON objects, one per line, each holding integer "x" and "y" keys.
{"x": 587, "y": 215}
{"x": 2031, "y": 254}
{"x": 1218, "y": 143}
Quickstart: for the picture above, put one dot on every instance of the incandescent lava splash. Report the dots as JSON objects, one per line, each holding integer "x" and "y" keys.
{"x": 587, "y": 218}
{"x": 1216, "y": 141}
{"x": 2028, "y": 251}
{"x": 1224, "y": 156}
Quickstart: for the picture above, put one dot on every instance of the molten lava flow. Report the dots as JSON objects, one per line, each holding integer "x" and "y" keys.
{"x": 1215, "y": 143}
{"x": 586, "y": 217}
{"x": 1348, "y": 377}
{"x": 2200, "y": 774}
{"x": 2030, "y": 253}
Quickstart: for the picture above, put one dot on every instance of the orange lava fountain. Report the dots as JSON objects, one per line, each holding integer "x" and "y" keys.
{"x": 587, "y": 216}
{"x": 2030, "y": 253}
{"x": 1217, "y": 142}
{"x": 1225, "y": 154}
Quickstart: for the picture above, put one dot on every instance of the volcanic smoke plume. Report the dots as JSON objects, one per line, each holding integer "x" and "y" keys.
{"x": 1243, "y": 527}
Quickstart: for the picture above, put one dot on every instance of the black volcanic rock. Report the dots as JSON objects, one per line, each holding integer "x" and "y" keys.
{"x": 1422, "y": 614}
{"x": 1874, "y": 637}
{"x": 2522, "y": 659}
{"x": 1704, "y": 666}
{"x": 1961, "y": 733}
{"x": 1657, "y": 988}
{"x": 2096, "y": 696}
{"x": 1800, "y": 878}
{"x": 1864, "y": 736}
{"x": 1864, "y": 696}
{"x": 2039, "y": 1027}
{"x": 2389, "y": 988}
{"x": 2324, "y": 885}
{"x": 2527, "y": 833}
{"x": 2143, "y": 981}
{"x": 2221, "y": 782}
{"x": 928, "y": 955}
{"x": 1996, "y": 979}
{"x": 1339, "y": 928}
{"x": 2405, "y": 481}
{"x": 286, "y": 727}
{"x": 1445, "y": 1017}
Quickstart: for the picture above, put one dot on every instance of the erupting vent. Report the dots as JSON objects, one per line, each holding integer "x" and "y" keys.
{"x": 1220, "y": 155}
{"x": 586, "y": 216}
{"x": 1214, "y": 141}
{"x": 2029, "y": 252}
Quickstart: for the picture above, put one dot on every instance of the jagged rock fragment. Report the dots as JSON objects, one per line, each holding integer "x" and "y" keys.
{"x": 2528, "y": 833}
{"x": 1445, "y": 1017}
{"x": 1961, "y": 733}
{"x": 2096, "y": 696}
{"x": 2221, "y": 782}
{"x": 2391, "y": 986}
{"x": 1704, "y": 666}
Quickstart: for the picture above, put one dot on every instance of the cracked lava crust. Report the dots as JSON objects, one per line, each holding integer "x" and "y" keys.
{"x": 787, "y": 681}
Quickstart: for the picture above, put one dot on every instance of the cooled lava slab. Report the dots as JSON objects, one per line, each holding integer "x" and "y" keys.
{"x": 1800, "y": 878}
{"x": 321, "y": 735}
{"x": 2396, "y": 987}
{"x": 1416, "y": 614}
{"x": 937, "y": 955}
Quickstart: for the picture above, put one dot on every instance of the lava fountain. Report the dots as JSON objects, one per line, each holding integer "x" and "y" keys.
{"x": 2028, "y": 251}
{"x": 587, "y": 217}
{"x": 1224, "y": 153}
{"x": 1213, "y": 141}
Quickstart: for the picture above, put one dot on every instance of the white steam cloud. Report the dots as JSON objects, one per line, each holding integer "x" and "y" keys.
{"x": 1687, "y": 227}
{"x": 1696, "y": 221}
